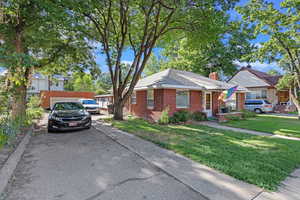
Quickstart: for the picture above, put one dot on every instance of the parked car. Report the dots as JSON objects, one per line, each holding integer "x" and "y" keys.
{"x": 258, "y": 105}
{"x": 90, "y": 105}
{"x": 68, "y": 116}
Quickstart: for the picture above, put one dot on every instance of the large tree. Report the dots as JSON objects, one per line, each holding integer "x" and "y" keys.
{"x": 282, "y": 26}
{"x": 140, "y": 25}
{"x": 219, "y": 55}
{"x": 35, "y": 35}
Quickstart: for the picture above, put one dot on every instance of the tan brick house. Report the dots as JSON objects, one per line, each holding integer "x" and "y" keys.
{"x": 180, "y": 90}
{"x": 261, "y": 85}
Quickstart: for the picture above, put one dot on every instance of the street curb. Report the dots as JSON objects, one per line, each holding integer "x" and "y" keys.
{"x": 11, "y": 163}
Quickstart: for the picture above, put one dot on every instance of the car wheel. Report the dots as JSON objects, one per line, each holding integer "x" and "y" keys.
{"x": 258, "y": 111}
{"x": 50, "y": 130}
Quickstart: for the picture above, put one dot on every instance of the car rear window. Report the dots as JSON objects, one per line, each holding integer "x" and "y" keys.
{"x": 89, "y": 102}
{"x": 254, "y": 102}
{"x": 267, "y": 102}
{"x": 68, "y": 106}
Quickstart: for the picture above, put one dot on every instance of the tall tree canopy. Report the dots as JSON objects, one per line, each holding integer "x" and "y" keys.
{"x": 35, "y": 35}
{"x": 219, "y": 55}
{"x": 141, "y": 25}
{"x": 282, "y": 26}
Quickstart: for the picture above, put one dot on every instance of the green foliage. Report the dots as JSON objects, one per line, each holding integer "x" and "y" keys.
{"x": 199, "y": 116}
{"x": 259, "y": 160}
{"x": 248, "y": 114}
{"x": 180, "y": 116}
{"x": 273, "y": 72}
{"x": 84, "y": 82}
{"x": 34, "y": 110}
{"x": 233, "y": 118}
{"x": 164, "y": 118}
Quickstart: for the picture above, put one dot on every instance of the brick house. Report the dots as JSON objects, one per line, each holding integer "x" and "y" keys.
{"x": 261, "y": 85}
{"x": 180, "y": 90}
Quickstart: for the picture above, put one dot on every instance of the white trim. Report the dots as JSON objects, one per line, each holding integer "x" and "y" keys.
{"x": 208, "y": 112}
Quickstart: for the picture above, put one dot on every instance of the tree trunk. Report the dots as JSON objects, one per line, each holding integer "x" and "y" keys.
{"x": 118, "y": 110}
{"x": 19, "y": 102}
{"x": 296, "y": 102}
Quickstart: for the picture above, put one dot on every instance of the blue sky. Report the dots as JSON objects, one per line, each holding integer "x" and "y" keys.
{"x": 128, "y": 56}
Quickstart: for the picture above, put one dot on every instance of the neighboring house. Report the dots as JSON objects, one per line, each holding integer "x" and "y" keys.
{"x": 180, "y": 90}
{"x": 41, "y": 82}
{"x": 260, "y": 85}
{"x": 104, "y": 100}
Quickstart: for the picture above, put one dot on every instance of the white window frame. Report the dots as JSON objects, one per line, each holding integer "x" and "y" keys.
{"x": 188, "y": 99}
{"x": 150, "y": 99}
{"x": 133, "y": 97}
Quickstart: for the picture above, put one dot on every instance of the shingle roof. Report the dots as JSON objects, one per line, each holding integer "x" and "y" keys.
{"x": 272, "y": 80}
{"x": 172, "y": 78}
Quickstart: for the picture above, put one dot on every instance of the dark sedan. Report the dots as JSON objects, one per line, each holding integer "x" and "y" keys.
{"x": 68, "y": 116}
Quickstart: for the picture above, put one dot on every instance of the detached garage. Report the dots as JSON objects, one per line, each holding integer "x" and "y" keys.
{"x": 49, "y": 98}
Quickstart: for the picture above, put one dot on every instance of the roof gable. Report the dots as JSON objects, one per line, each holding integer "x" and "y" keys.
{"x": 172, "y": 78}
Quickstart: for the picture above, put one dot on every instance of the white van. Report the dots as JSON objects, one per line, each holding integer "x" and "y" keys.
{"x": 90, "y": 105}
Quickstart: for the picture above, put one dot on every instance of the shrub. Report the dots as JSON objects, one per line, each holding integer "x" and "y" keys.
{"x": 180, "y": 116}
{"x": 199, "y": 116}
{"x": 164, "y": 118}
{"x": 248, "y": 114}
{"x": 233, "y": 118}
{"x": 34, "y": 111}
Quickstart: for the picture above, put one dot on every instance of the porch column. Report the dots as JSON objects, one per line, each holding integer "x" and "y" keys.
{"x": 216, "y": 104}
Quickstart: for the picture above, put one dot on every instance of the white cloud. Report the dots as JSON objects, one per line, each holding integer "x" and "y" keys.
{"x": 265, "y": 67}
{"x": 126, "y": 62}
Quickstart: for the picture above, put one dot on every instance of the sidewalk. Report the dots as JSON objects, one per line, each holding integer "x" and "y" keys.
{"x": 219, "y": 126}
{"x": 211, "y": 183}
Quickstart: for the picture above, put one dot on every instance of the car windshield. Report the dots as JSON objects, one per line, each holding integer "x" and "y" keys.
{"x": 68, "y": 106}
{"x": 89, "y": 102}
{"x": 267, "y": 102}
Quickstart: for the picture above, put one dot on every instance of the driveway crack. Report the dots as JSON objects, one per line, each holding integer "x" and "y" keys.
{"x": 112, "y": 187}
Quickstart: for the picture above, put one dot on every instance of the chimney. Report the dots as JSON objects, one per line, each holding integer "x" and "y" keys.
{"x": 214, "y": 76}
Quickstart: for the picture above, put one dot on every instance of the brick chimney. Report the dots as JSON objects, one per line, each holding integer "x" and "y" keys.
{"x": 214, "y": 76}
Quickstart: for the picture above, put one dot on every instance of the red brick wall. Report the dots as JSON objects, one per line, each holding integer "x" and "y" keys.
{"x": 163, "y": 98}
{"x": 169, "y": 99}
{"x": 241, "y": 101}
{"x": 195, "y": 101}
{"x": 46, "y": 95}
{"x": 216, "y": 104}
{"x": 158, "y": 100}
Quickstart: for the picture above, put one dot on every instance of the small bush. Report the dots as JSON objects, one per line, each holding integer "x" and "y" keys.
{"x": 34, "y": 111}
{"x": 164, "y": 118}
{"x": 180, "y": 116}
{"x": 199, "y": 116}
{"x": 248, "y": 114}
{"x": 233, "y": 118}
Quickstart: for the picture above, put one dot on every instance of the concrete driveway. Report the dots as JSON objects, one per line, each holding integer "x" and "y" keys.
{"x": 88, "y": 165}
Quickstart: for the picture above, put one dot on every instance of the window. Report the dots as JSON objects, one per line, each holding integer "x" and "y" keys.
{"x": 207, "y": 101}
{"x": 259, "y": 94}
{"x": 133, "y": 98}
{"x": 264, "y": 94}
{"x": 182, "y": 99}
{"x": 150, "y": 99}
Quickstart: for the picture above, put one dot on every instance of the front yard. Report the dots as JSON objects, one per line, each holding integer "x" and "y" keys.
{"x": 280, "y": 125}
{"x": 258, "y": 160}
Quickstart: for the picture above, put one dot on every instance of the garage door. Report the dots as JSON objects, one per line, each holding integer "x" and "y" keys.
{"x": 54, "y": 100}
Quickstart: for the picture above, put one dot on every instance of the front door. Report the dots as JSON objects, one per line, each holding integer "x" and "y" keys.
{"x": 207, "y": 103}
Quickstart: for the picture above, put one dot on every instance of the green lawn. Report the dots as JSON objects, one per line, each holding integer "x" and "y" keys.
{"x": 255, "y": 159}
{"x": 279, "y": 125}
